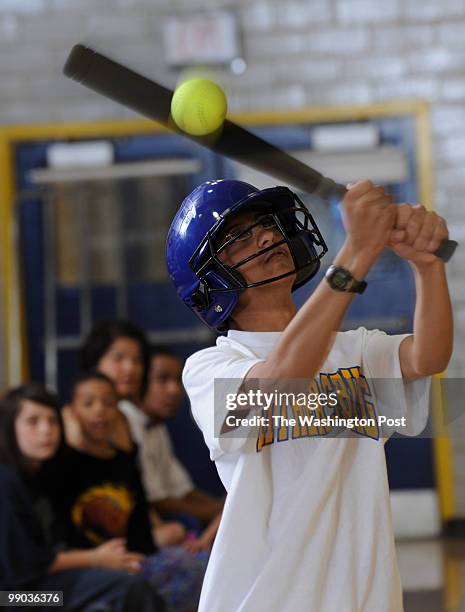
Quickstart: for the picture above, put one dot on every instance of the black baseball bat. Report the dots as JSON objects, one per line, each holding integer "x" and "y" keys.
{"x": 152, "y": 100}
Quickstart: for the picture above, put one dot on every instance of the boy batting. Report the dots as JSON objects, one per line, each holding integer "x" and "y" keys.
{"x": 306, "y": 525}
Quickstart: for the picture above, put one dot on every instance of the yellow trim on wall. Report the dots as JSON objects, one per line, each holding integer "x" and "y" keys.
{"x": 442, "y": 451}
{"x": 329, "y": 114}
{"x": 7, "y": 268}
{"x": 66, "y": 131}
{"x": 453, "y": 583}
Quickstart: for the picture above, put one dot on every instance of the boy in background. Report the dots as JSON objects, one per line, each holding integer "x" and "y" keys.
{"x": 169, "y": 488}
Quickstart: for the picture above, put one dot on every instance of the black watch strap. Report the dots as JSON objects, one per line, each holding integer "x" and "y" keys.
{"x": 341, "y": 279}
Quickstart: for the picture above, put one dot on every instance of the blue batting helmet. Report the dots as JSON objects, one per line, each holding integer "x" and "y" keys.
{"x": 203, "y": 282}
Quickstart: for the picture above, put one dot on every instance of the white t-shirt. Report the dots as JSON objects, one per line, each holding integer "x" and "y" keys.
{"x": 307, "y": 524}
{"x": 162, "y": 474}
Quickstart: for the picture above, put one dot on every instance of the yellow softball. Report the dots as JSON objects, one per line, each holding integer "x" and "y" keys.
{"x": 199, "y": 107}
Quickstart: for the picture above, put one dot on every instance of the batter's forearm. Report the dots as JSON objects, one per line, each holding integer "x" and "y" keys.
{"x": 433, "y": 322}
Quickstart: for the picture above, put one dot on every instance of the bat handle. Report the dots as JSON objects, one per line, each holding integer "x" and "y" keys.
{"x": 445, "y": 251}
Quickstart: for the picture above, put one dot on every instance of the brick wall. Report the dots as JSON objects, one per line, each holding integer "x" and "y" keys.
{"x": 299, "y": 53}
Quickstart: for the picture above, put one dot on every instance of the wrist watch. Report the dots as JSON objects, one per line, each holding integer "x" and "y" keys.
{"x": 341, "y": 279}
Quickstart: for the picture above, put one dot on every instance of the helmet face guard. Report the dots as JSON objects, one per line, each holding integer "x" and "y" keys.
{"x": 298, "y": 230}
{"x": 196, "y": 241}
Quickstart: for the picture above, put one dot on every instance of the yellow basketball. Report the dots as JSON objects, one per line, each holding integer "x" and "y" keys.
{"x": 199, "y": 107}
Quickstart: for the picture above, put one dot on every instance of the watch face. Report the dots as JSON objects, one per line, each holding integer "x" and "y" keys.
{"x": 339, "y": 279}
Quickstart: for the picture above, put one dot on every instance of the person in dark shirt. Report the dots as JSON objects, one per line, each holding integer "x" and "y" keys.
{"x": 30, "y": 557}
{"x": 101, "y": 497}
{"x": 119, "y": 349}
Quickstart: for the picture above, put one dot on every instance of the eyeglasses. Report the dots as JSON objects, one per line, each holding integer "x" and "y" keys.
{"x": 240, "y": 233}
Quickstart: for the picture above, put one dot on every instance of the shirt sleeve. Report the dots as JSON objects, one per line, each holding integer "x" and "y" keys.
{"x": 152, "y": 469}
{"x": 135, "y": 426}
{"x": 210, "y": 376}
{"x": 407, "y": 402}
{"x": 24, "y": 553}
{"x": 164, "y": 475}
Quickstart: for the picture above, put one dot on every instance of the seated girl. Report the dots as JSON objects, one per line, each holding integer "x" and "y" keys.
{"x": 31, "y": 558}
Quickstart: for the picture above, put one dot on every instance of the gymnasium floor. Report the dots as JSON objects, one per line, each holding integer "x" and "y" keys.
{"x": 433, "y": 574}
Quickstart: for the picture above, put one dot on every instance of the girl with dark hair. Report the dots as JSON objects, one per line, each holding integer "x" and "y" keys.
{"x": 30, "y": 557}
{"x": 119, "y": 349}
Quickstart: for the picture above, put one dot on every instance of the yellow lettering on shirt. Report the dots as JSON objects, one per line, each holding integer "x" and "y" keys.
{"x": 354, "y": 402}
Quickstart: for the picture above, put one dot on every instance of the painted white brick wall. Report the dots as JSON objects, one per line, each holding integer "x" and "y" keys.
{"x": 400, "y": 37}
{"x": 367, "y": 11}
{"x": 23, "y": 6}
{"x": 339, "y": 41}
{"x": 299, "y": 53}
{"x": 303, "y": 14}
{"x": 431, "y": 10}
